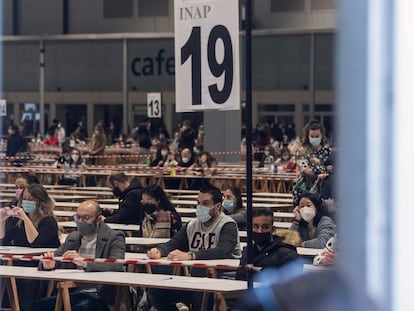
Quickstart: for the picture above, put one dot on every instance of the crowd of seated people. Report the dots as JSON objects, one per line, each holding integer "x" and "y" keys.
{"x": 219, "y": 212}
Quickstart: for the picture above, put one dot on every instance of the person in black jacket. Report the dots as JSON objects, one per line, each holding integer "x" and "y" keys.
{"x": 129, "y": 194}
{"x": 187, "y": 136}
{"x": 15, "y": 144}
{"x": 269, "y": 251}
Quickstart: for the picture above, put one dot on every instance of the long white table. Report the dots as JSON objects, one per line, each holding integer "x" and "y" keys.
{"x": 124, "y": 279}
{"x": 212, "y": 263}
{"x": 254, "y": 204}
{"x": 71, "y": 224}
{"x": 192, "y": 211}
{"x": 309, "y": 267}
{"x": 61, "y": 204}
{"x": 145, "y": 241}
{"x": 19, "y": 250}
{"x": 310, "y": 252}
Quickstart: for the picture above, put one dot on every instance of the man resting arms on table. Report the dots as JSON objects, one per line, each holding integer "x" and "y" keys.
{"x": 93, "y": 239}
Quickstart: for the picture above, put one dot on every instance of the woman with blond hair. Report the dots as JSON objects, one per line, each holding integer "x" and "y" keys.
{"x": 30, "y": 223}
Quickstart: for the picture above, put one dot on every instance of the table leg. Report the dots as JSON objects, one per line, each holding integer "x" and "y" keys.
{"x": 219, "y": 302}
{"x": 13, "y": 295}
{"x": 50, "y": 286}
{"x": 204, "y": 302}
{"x": 58, "y": 304}
{"x": 63, "y": 296}
{"x": 122, "y": 292}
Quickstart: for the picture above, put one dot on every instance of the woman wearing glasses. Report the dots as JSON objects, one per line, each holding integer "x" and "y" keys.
{"x": 30, "y": 223}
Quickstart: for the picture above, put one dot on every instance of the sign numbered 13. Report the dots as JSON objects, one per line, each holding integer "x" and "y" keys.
{"x": 154, "y": 105}
{"x": 207, "y": 73}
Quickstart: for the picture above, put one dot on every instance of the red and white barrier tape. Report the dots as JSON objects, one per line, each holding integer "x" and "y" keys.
{"x": 111, "y": 156}
{"x": 128, "y": 261}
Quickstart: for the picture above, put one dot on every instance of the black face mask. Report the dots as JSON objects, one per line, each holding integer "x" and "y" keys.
{"x": 149, "y": 208}
{"x": 116, "y": 192}
{"x": 262, "y": 239}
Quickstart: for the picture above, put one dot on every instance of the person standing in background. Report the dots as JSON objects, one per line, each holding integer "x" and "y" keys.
{"x": 144, "y": 136}
{"x": 187, "y": 136}
{"x": 96, "y": 148}
{"x": 60, "y": 133}
{"x": 310, "y": 158}
{"x": 97, "y": 144}
{"x": 15, "y": 142}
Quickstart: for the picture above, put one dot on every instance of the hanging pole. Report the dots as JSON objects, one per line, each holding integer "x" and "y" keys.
{"x": 249, "y": 156}
{"x": 125, "y": 85}
{"x": 41, "y": 91}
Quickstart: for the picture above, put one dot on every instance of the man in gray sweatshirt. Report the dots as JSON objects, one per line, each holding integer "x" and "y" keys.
{"x": 211, "y": 235}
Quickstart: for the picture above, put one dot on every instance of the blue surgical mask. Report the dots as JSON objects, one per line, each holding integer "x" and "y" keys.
{"x": 203, "y": 213}
{"x": 228, "y": 205}
{"x": 29, "y": 206}
{"x": 315, "y": 141}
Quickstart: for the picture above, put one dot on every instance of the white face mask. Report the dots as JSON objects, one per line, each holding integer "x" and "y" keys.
{"x": 267, "y": 153}
{"x": 164, "y": 152}
{"x": 285, "y": 157}
{"x": 75, "y": 157}
{"x": 185, "y": 160}
{"x": 315, "y": 141}
{"x": 96, "y": 133}
{"x": 307, "y": 213}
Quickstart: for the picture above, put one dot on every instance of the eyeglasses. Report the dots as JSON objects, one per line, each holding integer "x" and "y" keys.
{"x": 83, "y": 218}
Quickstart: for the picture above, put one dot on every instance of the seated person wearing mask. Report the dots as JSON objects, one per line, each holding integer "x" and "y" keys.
{"x": 93, "y": 239}
{"x": 269, "y": 251}
{"x": 30, "y": 223}
{"x": 312, "y": 223}
{"x": 211, "y": 235}
{"x": 22, "y": 182}
{"x": 186, "y": 160}
{"x": 129, "y": 194}
{"x": 233, "y": 206}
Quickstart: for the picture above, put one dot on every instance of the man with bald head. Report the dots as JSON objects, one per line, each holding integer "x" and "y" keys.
{"x": 92, "y": 239}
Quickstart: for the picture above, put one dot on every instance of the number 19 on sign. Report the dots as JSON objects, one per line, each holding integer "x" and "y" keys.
{"x": 207, "y": 53}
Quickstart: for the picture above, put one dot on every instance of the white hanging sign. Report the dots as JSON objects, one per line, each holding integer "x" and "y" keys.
{"x": 154, "y": 107}
{"x": 207, "y": 70}
{"x": 3, "y": 108}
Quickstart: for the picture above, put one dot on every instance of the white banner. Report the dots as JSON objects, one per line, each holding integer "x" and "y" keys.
{"x": 3, "y": 108}
{"x": 154, "y": 107}
{"x": 207, "y": 69}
